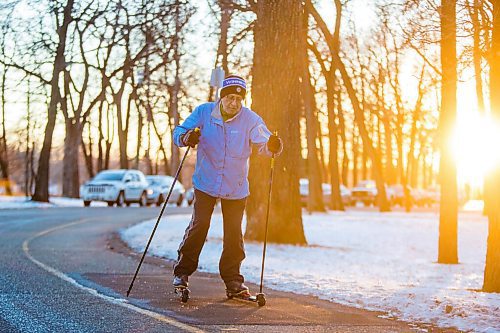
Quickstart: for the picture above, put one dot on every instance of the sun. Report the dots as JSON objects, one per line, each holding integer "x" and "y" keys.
{"x": 475, "y": 147}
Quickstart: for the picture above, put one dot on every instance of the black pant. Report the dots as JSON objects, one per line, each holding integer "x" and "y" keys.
{"x": 233, "y": 251}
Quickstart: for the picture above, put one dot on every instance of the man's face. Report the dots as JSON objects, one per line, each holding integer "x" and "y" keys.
{"x": 232, "y": 103}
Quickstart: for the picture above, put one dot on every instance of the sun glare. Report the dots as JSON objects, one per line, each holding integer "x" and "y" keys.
{"x": 475, "y": 147}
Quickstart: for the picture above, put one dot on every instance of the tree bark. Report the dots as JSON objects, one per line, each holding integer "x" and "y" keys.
{"x": 122, "y": 128}
{"x": 71, "y": 177}
{"x": 4, "y": 156}
{"x": 448, "y": 212}
{"x": 277, "y": 37}
{"x": 492, "y": 186}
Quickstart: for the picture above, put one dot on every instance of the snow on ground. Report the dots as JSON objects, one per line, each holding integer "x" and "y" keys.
{"x": 371, "y": 260}
{"x": 22, "y": 202}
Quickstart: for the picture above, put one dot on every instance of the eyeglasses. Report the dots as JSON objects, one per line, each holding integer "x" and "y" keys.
{"x": 234, "y": 98}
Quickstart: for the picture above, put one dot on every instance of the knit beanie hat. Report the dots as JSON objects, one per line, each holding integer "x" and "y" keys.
{"x": 233, "y": 84}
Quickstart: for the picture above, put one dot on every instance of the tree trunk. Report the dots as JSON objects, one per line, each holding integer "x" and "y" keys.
{"x": 225, "y": 22}
{"x": 277, "y": 37}
{"x": 71, "y": 179}
{"x": 140, "y": 125}
{"x": 448, "y": 247}
{"x": 477, "y": 54}
{"x": 27, "y": 160}
{"x": 226, "y": 11}
{"x": 325, "y": 175}
{"x": 410, "y": 161}
{"x": 336, "y": 197}
{"x": 355, "y": 155}
{"x": 100, "y": 153}
{"x": 174, "y": 111}
{"x": 42, "y": 177}
{"x": 386, "y": 121}
{"x": 4, "y": 156}
{"x": 492, "y": 189}
{"x": 122, "y": 128}
{"x": 109, "y": 138}
{"x": 333, "y": 96}
{"x": 315, "y": 197}
{"x": 89, "y": 160}
{"x": 345, "y": 155}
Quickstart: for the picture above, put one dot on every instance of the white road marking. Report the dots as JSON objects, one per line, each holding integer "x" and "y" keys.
{"x": 117, "y": 301}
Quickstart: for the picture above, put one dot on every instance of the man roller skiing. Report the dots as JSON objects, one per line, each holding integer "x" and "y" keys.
{"x": 227, "y": 132}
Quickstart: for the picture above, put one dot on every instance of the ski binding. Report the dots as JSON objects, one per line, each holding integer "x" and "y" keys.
{"x": 244, "y": 295}
{"x": 183, "y": 292}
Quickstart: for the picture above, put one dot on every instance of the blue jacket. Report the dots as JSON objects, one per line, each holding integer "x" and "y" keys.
{"x": 224, "y": 149}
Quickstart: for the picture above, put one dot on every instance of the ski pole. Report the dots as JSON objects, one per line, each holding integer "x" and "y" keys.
{"x": 159, "y": 217}
{"x": 267, "y": 222}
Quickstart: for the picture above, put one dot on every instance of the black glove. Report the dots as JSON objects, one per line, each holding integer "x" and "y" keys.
{"x": 274, "y": 144}
{"x": 191, "y": 138}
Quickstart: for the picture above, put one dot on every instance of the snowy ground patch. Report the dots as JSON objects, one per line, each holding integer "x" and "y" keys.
{"x": 377, "y": 261}
{"x": 22, "y": 202}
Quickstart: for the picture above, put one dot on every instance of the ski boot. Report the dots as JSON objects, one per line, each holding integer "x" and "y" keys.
{"x": 180, "y": 284}
{"x": 237, "y": 290}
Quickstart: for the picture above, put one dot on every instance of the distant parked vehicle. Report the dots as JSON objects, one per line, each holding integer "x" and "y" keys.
{"x": 116, "y": 186}
{"x": 160, "y": 186}
{"x": 345, "y": 193}
{"x": 366, "y": 192}
{"x": 422, "y": 197}
{"x": 399, "y": 194}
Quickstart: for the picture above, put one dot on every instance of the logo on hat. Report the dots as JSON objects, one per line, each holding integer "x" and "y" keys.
{"x": 238, "y": 89}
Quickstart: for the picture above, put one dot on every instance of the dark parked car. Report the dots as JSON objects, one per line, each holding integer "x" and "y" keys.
{"x": 345, "y": 193}
{"x": 366, "y": 192}
{"x": 159, "y": 188}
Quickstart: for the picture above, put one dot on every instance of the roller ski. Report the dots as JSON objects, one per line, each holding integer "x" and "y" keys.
{"x": 180, "y": 284}
{"x": 238, "y": 290}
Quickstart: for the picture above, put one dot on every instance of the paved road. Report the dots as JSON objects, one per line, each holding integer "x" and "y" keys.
{"x": 64, "y": 270}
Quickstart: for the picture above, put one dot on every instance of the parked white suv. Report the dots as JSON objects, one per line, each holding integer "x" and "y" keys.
{"x": 116, "y": 186}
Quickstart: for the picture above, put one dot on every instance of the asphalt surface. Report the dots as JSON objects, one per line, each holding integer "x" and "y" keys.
{"x": 65, "y": 270}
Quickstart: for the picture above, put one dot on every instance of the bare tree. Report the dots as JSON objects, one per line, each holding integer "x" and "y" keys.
{"x": 59, "y": 64}
{"x": 333, "y": 102}
{"x": 368, "y": 146}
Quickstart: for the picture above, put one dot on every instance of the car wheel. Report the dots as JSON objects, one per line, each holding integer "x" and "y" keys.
{"x": 120, "y": 200}
{"x": 86, "y": 203}
{"x": 143, "y": 199}
{"x": 160, "y": 200}
{"x": 179, "y": 201}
